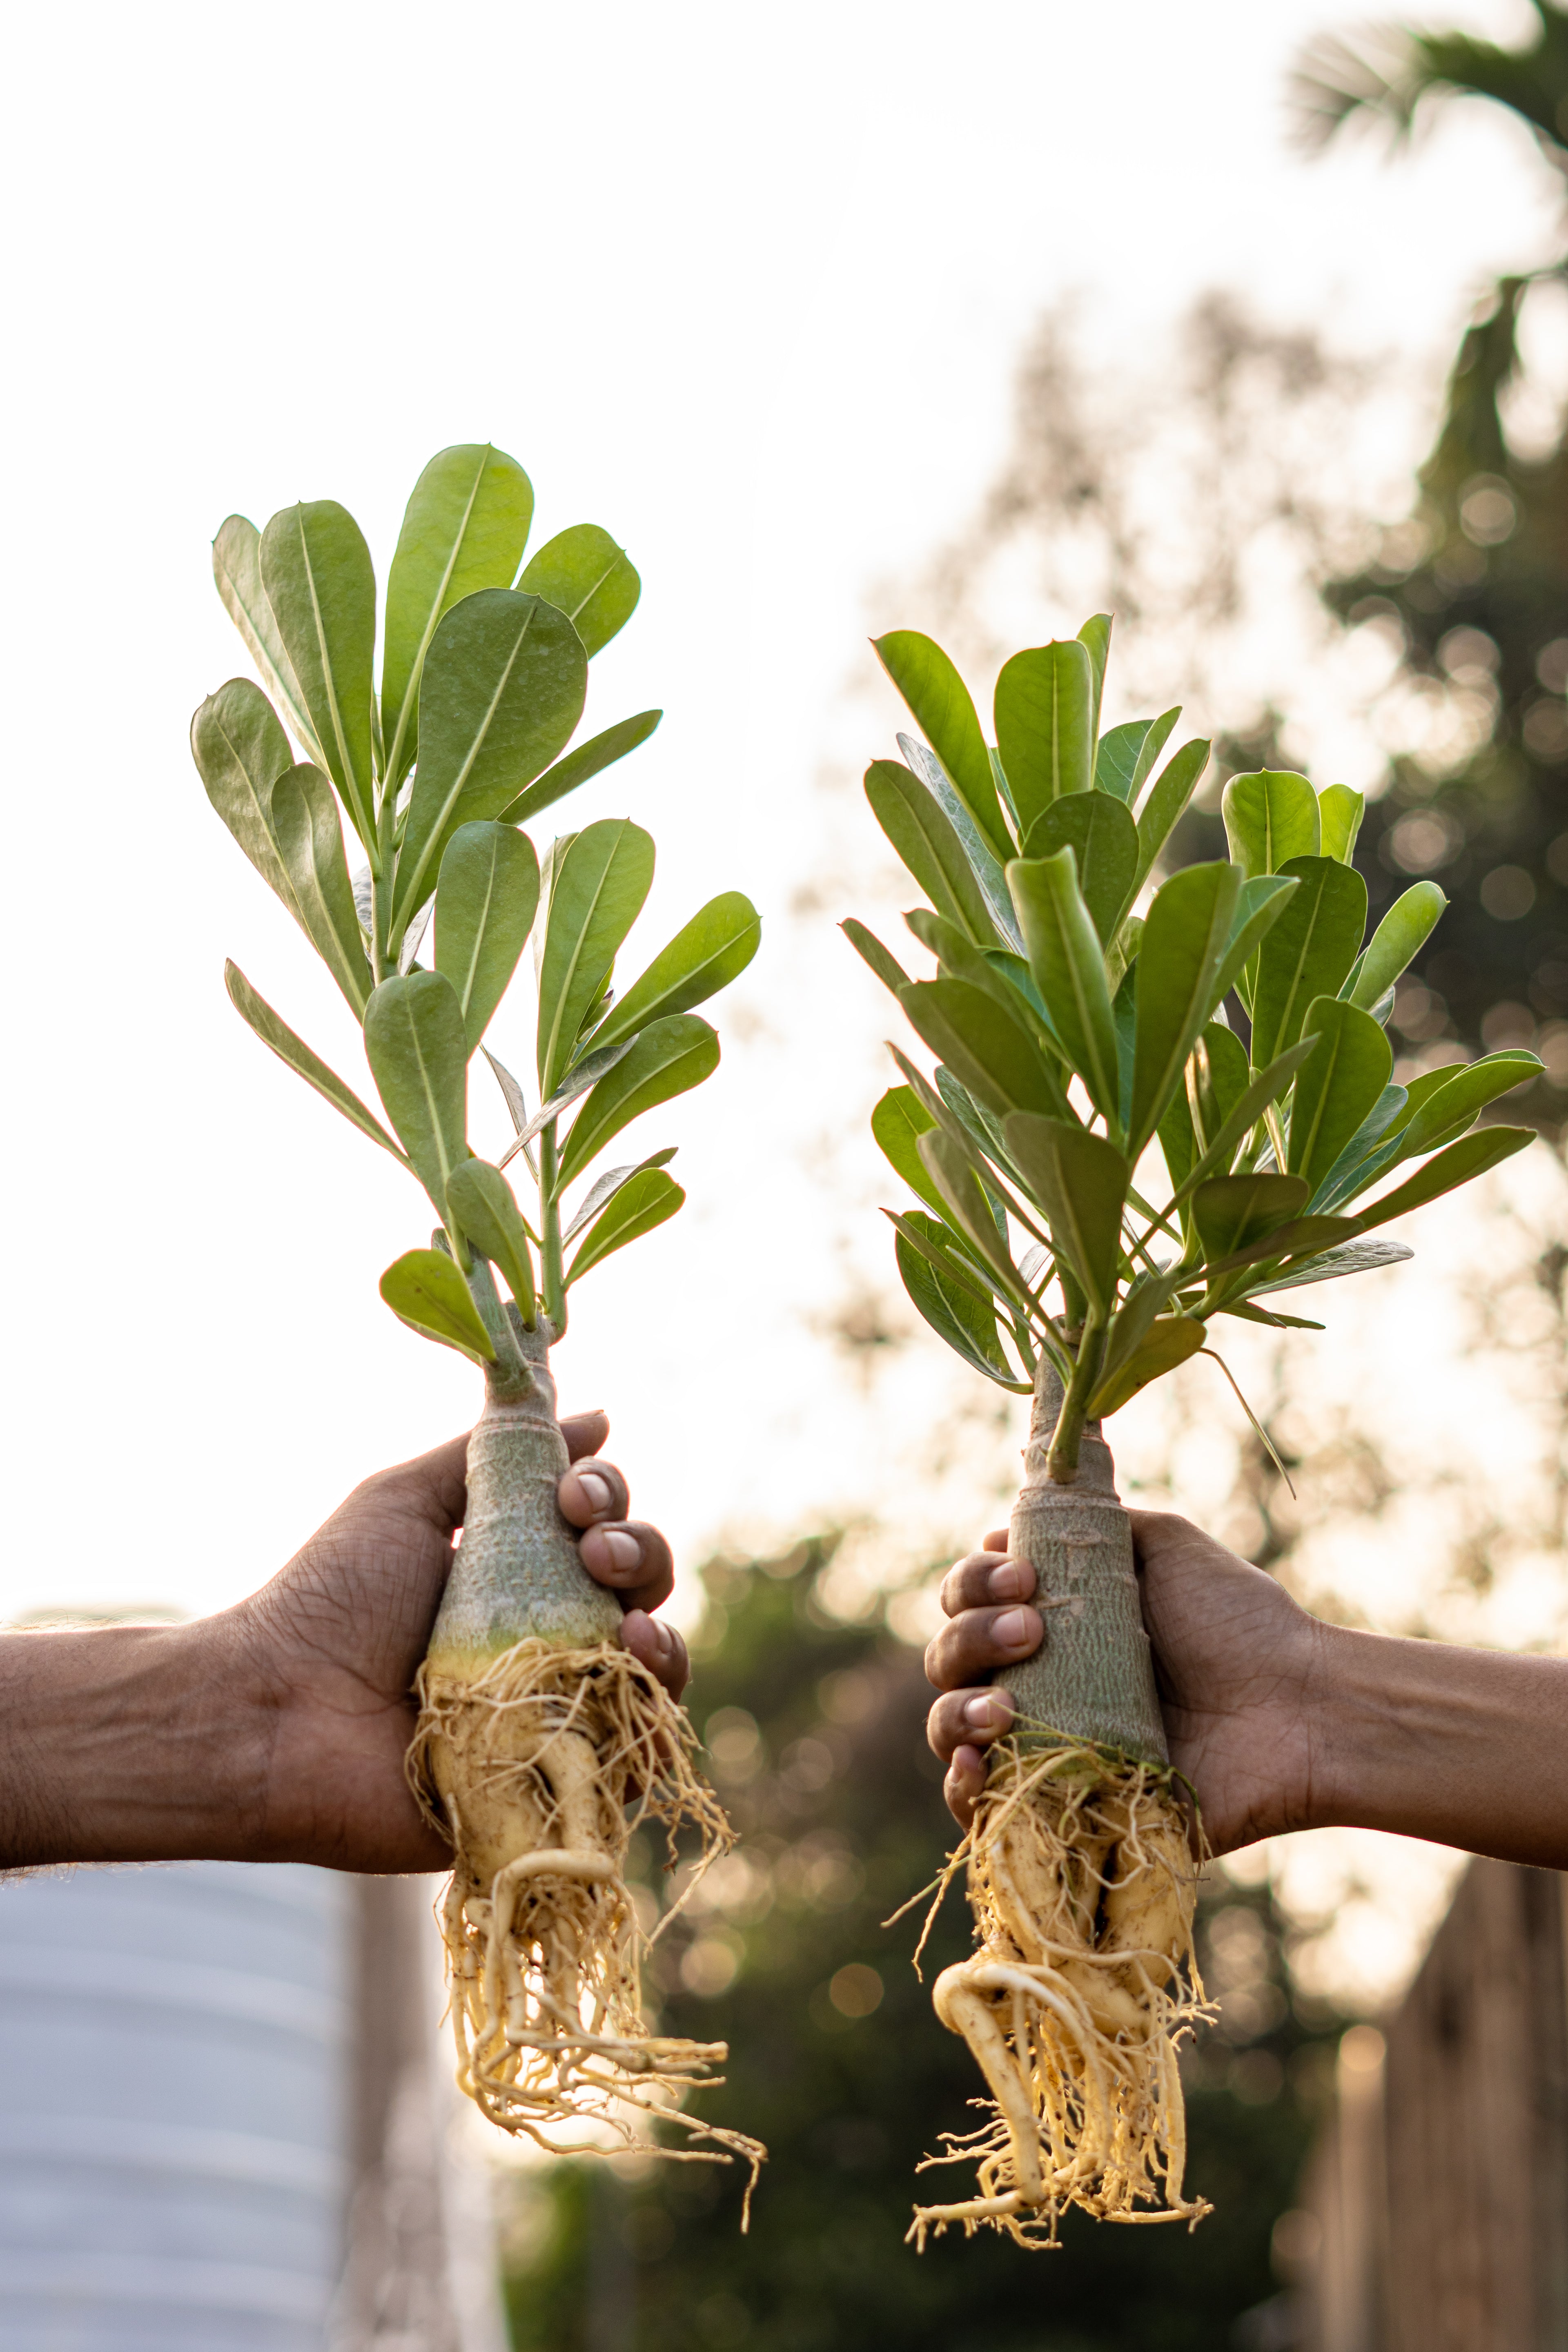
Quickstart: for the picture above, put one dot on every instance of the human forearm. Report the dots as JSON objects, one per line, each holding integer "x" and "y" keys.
{"x": 122, "y": 1743}
{"x": 1467, "y": 1747}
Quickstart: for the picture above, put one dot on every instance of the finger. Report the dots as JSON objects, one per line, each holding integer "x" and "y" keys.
{"x": 997, "y": 1540}
{"x": 632, "y": 1559}
{"x": 593, "y": 1490}
{"x": 983, "y": 1577}
{"x": 584, "y": 1433}
{"x": 963, "y": 1785}
{"x": 975, "y": 1644}
{"x": 658, "y": 1646}
{"x": 967, "y": 1718}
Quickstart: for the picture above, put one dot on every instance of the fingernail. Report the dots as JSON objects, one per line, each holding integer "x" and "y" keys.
{"x": 1010, "y": 1629}
{"x": 624, "y": 1550}
{"x": 984, "y": 1714}
{"x": 1006, "y": 1583}
{"x": 596, "y": 1489}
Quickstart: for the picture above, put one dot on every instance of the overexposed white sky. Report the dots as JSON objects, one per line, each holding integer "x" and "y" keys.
{"x": 747, "y": 288}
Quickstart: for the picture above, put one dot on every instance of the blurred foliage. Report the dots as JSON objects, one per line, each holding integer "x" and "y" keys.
{"x": 1475, "y": 583}
{"x": 816, "y": 1741}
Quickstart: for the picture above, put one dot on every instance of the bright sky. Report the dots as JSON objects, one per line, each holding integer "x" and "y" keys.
{"x": 747, "y": 288}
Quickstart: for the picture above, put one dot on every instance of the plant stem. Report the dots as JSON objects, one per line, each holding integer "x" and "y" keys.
{"x": 1062, "y": 1465}
{"x": 553, "y": 1271}
{"x": 384, "y": 955}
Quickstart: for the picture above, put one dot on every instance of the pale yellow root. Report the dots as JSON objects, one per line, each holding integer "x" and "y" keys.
{"x": 538, "y": 1767}
{"x": 1083, "y": 1888}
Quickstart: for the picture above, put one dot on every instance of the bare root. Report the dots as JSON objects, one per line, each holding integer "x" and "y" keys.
{"x": 1083, "y": 1889}
{"x": 538, "y": 1769}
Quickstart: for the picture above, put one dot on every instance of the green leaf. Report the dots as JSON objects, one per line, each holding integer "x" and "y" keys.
{"x": 1340, "y": 1080}
{"x": 589, "y": 759}
{"x": 586, "y": 576}
{"x": 668, "y": 1058}
{"x": 237, "y": 569}
{"x": 425, "y": 1290}
{"x": 1220, "y": 1077}
{"x": 966, "y": 1323}
{"x": 965, "y": 1201}
{"x": 1104, "y": 842}
{"x": 930, "y": 848}
{"x": 1340, "y": 812}
{"x": 418, "y": 1056}
{"x": 1368, "y": 1153}
{"x": 1095, "y": 634}
{"x": 1178, "y": 1141}
{"x": 1169, "y": 1342}
{"x": 597, "y": 893}
{"x": 604, "y": 1188}
{"x": 1232, "y": 1212}
{"x": 1471, "y": 1156}
{"x": 1270, "y": 817}
{"x": 465, "y": 528}
{"x": 1164, "y": 802}
{"x": 871, "y": 952}
{"x": 485, "y": 904}
{"x": 502, "y": 691}
{"x": 1309, "y": 952}
{"x": 1258, "y": 908}
{"x": 988, "y": 1050}
{"x": 293, "y": 1050}
{"x": 640, "y": 1206}
{"x": 995, "y": 970}
{"x": 1447, "y": 1109}
{"x": 979, "y": 857}
{"x": 585, "y": 1072}
{"x": 1185, "y": 937}
{"x": 713, "y": 948}
{"x": 1401, "y": 935}
{"x": 481, "y": 1200}
{"x": 240, "y": 750}
{"x": 310, "y": 840}
{"x": 1351, "y": 1257}
{"x": 899, "y": 1121}
{"x": 1265, "y": 1089}
{"x": 1154, "y": 734}
{"x": 1069, "y": 970}
{"x": 1044, "y": 725}
{"x": 942, "y": 708}
{"x": 316, "y": 570}
{"x": 1303, "y": 1238}
{"x": 1080, "y": 1182}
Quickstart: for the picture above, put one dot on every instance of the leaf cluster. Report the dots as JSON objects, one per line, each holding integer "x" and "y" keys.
{"x": 1237, "y": 1024}
{"x": 434, "y": 764}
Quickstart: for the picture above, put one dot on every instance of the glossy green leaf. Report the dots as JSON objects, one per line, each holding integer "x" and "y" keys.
{"x": 1104, "y": 843}
{"x": 943, "y": 710}
{"x": 316, "y": 570}
{"x": 939, "y": 1241}
{"x": 1185, "y": 937}
{"x": 481, "y": 1201}
{"x": 1232, "y": 1212}
{"x": 1164, "y": 802}
{"x": 1369, "y": 1150}
{"x": 585, "y": 1072}
{"x": 899, "y": 1121}
{"x": 240, "y": 750}
{"x": 670, "y": 1057}
{"x": 1301, "y": 1238}
{"x": 871, "y": 952}
{"x": 956, "y": 1113}
{"x": 1153, "y": 743}
{"x": 310, "y": 840}
{"x": 1220, "y": 1076}
{"x": 997, "y": 972}
{"x": 1351, "y": 1257}
{"x": 640, "y": 1206}
{"x": 1065, "y": 959}
{"x": 978, "y": 854}
{"x": 1178, "y": 1139}
{"x": 293, "y": 1050}
{"x": 465, "y": 528}
{"x": 500, "y": 693}
{"x": 966, "y": 1203}
{"x": 586, "y": 576}
{"x": 1265, "y": 1088}
{"x": 1044, "y": 725}
{"x": 1340, "y": 812}
{"x": 237, "y": 569}
{"x": 1258, "y": 907}
{"x": 485, "y": 904}
{"x": 425, "y": 1290}
{"x": 983, "y": 1140}
{"x": 713, "y": 948}
{"x": 1309, "y": 952}
{"x": 597, "y": 893}
{"x": 1447, "y": 1109}
{"x": 1095, "y": 635}
{"x": 1270, "y": 817}
{"x": 1080, "y": 1182}
{"x": 604, "y": 1188}
{"x": 586, "y": 760}
{"x": 1116, "y": 758}
{"x": 967, "y": 1324}
{"x": 1167, "y": 1343}
{"x": 929, "y": 847}
{"x": 1401, "y": 935}
{"x": 1473, "y": 1155}
{"x": 1340, "y": 1080}
{"x": 979, "y": 1040}
{"x": 418, "y": 1056}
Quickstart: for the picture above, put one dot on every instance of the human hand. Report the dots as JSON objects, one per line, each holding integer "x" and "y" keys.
{"x": 324, "y": 1657}
{"x": 1234, "y": 1658}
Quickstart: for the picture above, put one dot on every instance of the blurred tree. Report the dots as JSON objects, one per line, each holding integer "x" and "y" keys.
{"x": 815, "y": 1729}
{"x": 1476, "y": 583}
